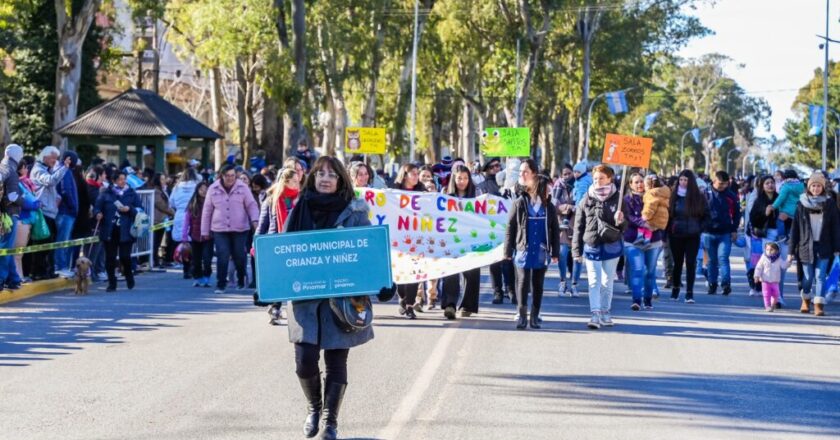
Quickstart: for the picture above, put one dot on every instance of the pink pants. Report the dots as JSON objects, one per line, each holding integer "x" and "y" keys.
{"x": 770, "y": 290}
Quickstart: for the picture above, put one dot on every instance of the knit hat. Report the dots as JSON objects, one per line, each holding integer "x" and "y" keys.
{"x": 446, "y": 161}
{"x": 817, "y": 177}
{"x": 580, "y": 167}
{"x": 15, "y": 152}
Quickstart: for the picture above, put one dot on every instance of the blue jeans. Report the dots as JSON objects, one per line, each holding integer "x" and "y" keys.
{"x": 64, "y": 227}
{"x": 818, "y": 270}
{"x": 8, "y": 270}
{"x": 719, "y": 246}
{"x": 230, "y": 245}
{"x": 642, "y": 270}
{"x": 562, "y": 264}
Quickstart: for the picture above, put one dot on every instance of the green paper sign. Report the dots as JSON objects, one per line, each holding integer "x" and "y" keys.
{"x": 506, "y": 142}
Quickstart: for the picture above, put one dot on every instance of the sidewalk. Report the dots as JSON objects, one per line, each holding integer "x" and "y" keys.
{"x": 35, "y": 288}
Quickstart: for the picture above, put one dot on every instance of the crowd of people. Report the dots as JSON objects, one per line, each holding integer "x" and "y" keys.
{"x": 579, "y": 220}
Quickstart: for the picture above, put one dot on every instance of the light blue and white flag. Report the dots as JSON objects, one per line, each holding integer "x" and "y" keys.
{"x": 617, "y": 102}
{"x": 719, "y": 142}
{"x": 816, "y": 113}
{"x": 695, "y": 133}
{"x": 650, "y": 118}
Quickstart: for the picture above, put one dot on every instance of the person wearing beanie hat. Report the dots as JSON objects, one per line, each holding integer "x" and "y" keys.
{"x": 442, "y": 170}
{"x": 814, "y": 241}
{"x": 12, "y": 202}
{"x": 583, "y": 180}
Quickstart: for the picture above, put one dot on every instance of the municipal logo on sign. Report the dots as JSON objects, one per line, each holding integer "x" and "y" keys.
{"x": 296, "y": 286}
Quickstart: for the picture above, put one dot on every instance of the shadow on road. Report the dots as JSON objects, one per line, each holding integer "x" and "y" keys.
{"x": 757, "y": 403}
{"x": 55, "y": 325}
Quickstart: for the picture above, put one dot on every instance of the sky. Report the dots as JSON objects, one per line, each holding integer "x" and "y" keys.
{"x": 774, "y": 40}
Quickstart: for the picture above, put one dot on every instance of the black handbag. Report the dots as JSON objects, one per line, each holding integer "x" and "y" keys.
{"x": 352, "y": 313}
{"x": 608, "y": 233}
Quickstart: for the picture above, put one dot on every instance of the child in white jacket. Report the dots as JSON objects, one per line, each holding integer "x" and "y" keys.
{"x": 768, "y": 272}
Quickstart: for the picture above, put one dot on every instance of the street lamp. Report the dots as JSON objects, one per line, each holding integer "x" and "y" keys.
{"x": 727, "y": 159}
{"x": 682, "y": 145}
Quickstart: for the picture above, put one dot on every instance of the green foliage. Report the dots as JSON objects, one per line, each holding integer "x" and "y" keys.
{"x": 807, "y": 149}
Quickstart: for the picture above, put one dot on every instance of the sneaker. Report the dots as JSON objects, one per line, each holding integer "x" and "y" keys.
{"x": 65, "y": 273}
{"x": 713, "y": 288}
{"x": 449, "y": 312}
{"x": 606, "y": 319}
{"x": 594, "y": 321}
{"x": 753, "y": 292}
{"x": 13, "y": 286}
{"x": 197, "y": 283}
{"x": 727, "y": 289}
{"x": 573, "y": 292}
{"x": 418, "y": 307}
{"x": 466, "y": 313}
{"x": 498, "y": 298}
{"x": 769, "y": 309}
{"x": 635, "y": 307}
{"x": 219, "y": 290}
{"x": 102, "y": 275}
{"x": 689, "y": 300}
{"x": 648, "y": 307}
{"x": 409, "y": 313}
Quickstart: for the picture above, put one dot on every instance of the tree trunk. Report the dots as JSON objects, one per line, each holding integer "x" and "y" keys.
{"x": 250, "y": 125}
{"x": 536, "y": 38}
{"x": 404, "y": 95}
{"x": 467, "y": 146}
{"x": 369, "y": 115}
{"x": 559, "y": 128}
{"x": 5, "y": 137}
{"x": 68, "y": 73}
{"x": 272, "y": 130}
{"x": 293, "y": 120}
{"x": 587, "y": 27}
{"x": 217, "y": 115}
{"x": 241, "y": 91}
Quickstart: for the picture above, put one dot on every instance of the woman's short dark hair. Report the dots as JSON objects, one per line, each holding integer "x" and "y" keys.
{"x": 344, "y": 186}
{"x": 260, "y": 181}
{"x": 225, "y": 168}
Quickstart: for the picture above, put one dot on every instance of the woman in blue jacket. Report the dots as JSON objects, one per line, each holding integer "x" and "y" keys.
{"x": 115, "y": 210}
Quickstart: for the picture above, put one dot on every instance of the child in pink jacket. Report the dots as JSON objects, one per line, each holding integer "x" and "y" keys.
{"x": 768, "y": 272}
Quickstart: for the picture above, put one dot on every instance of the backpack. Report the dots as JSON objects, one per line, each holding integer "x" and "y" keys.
{"x": 141, "y": 225}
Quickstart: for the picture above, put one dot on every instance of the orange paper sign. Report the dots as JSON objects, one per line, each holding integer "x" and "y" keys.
{"x": 627, "y": 150}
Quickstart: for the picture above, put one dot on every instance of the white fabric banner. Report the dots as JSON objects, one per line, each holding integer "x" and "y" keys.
{"x": 434, "y": 235}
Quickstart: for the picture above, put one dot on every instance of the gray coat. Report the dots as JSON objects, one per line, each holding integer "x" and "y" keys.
{"x": 46, "y": 182}
{"x": 311, "y": 319}
{"x": 268, "y": 218}
{"x": 12, "y": 198}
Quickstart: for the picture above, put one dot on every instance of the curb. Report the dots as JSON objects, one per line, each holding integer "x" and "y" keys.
{"x": 35, "y": 288}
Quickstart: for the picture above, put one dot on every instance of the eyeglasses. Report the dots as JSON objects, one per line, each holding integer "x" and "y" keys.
{"x": 326, "y": 175}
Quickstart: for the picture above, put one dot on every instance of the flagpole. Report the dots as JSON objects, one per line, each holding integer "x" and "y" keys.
{"x": 636, "y": 125}
{"x": 825, "y": 89}
{"x": 588, "y": 122}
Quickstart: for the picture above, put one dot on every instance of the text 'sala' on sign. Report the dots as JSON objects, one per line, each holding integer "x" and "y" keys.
{"x": 631, "y": 151}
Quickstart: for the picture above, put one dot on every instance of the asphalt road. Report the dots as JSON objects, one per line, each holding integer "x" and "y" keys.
{"x": 169, "y": 361}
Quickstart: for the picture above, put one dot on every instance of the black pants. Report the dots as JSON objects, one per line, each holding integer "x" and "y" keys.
{"x": 43, "y": 263}
{"x": 407, "y": 293}
{"x": 113, "y": 249}
{"x": 452, "y": 290}
{"x": 501, "y": 276}
{"x": 684, "y": 249}
{"x": 308, "y": 355}
{"x": 202, "y": 258}
{"x": 230, "y": 244}
{"x": 530, "y": 280}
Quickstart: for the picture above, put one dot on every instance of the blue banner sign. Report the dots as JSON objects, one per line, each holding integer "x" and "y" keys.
{"x": 323, "y": 264}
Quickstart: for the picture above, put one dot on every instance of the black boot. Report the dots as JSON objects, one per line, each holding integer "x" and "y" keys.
{"x": 675, "y": 294}
{"x": 333, "y": 395}
{"x": 522, "y": 323}
{"x": 713, "y": 288}
{"x": 498, "y": 297}
{"x": 312, "y": 390}
{"x": 727, "y": 289}
{"x": 534, "y": 321}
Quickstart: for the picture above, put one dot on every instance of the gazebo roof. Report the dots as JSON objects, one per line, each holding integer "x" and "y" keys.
{"x": 139, "y": 113}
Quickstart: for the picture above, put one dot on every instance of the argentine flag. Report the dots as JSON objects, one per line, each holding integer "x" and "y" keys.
{"x": 650, "y": 119}
{"x": 695, "y": 133}
{"x": 719, "y": 142}
{"x": 816, "y": 113}
{"x": 617, "y": 102}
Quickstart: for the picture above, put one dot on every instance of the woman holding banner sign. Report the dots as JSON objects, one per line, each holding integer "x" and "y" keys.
{"x": 461, "y": 186}
{"x": 408, "y": 179}
{"x": 597, "y": 241}
{"x": 326, "y": 201}
{"x": 531, "y": 239}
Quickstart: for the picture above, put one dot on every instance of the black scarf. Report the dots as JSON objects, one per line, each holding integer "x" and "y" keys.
{"x": 316, "y": 211}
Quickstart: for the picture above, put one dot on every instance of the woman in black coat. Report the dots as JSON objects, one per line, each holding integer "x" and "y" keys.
{"x": 115, "y": 210}
{"x": 688, "y": 215}
{"x": 532, "y": 238}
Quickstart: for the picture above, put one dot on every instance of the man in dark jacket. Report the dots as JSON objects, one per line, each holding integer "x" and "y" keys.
{"x": 721, "y": 231}
{"x": 68, "y": 210}
{"x": 12, "y": 201}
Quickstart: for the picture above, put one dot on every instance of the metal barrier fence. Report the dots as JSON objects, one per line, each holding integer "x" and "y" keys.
{"x": 145, "y": 244}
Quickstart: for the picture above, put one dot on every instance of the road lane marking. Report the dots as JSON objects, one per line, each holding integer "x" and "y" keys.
{"x": 406, "y": 410}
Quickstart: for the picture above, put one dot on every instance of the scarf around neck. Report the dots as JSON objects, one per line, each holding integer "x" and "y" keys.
{"x": 682, "y": 191}
{"x": 602, "y": 193}
{"x": 316, "y": 211}
{"x": 285, "y": 203}
{"x": 812, "y": 203}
